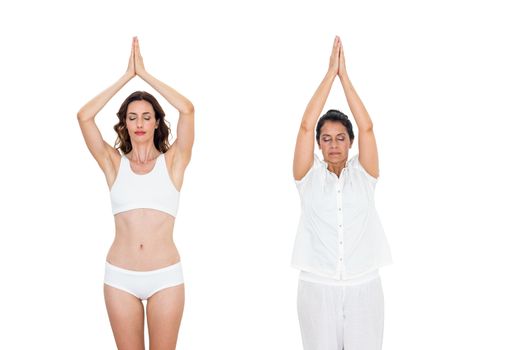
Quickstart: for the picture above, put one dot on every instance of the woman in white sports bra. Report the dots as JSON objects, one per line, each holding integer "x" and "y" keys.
{"x": 143, "y": 263}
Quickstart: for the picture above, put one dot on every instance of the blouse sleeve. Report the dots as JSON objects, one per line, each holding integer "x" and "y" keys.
{"x": 301, "y": 183}
{"x": 357, "y": 165}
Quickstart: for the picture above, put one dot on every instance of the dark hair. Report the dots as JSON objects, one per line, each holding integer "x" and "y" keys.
{"x": 335, "y": 116}
{"x": 162, "y": 132}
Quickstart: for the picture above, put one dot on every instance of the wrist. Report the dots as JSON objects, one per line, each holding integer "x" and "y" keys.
{"x": 342, "y": 73}
{"x": 142, "y": 73}
{"x": 331, "y": 74}
{"x": 127, "y": 76}
{"x": 344, "y": 78}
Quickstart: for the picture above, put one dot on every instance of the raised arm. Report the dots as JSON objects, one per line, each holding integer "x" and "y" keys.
{"x": 304, "y": 146}
{"x": 367, "y": 143}
{"x": 181, "y": 148}
{"x": 103, "y": 153}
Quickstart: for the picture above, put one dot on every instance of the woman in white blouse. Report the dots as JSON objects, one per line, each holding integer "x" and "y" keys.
{"x": 340, "y": 243}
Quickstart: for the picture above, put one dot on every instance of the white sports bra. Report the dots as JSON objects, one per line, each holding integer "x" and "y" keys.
{"x": 153, "y": 190}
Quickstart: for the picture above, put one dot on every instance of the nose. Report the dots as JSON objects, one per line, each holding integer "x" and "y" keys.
{"x": 140, "y": 122}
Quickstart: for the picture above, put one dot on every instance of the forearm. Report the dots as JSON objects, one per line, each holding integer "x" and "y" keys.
{"x": 304, "y": 146}
{"x": 181, "y": 103}
{"x": 317, "y": 102}
{"x": 90, "y": 109}
{"x": 361, "y": 116}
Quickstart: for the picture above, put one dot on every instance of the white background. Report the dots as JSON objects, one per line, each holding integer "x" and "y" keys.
{"x": 443, "y": 82}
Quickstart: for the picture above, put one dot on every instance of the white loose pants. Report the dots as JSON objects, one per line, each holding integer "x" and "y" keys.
{"x": 341, "y": 317}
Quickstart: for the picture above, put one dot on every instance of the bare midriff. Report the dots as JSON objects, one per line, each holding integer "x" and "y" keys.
{"x": 143, "y": 240}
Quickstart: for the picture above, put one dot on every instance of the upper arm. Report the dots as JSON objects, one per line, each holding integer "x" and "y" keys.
{"x": 103, "y": 153}
{"x": 183, "y": 144}
{"x": 368, "y": 152}
{"x": 179, "y": 154}
{"x": 304, "y": 152}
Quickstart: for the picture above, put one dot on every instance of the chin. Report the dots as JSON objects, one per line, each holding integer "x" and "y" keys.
{"x": 337, "y": 159}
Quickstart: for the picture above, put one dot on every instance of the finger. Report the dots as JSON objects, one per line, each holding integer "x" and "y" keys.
{"x": 334, "y": 47}
{"x": 137, "y": 56}
{"x": 137, "y": 45}
{"x": 132, "y": 49}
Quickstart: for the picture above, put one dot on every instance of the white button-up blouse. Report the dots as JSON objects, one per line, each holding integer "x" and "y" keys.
{"x": 340, "y": 235}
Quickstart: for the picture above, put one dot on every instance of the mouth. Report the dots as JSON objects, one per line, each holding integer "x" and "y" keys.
{"x": 334, "y": 153}
{"x": 139, "y": 133}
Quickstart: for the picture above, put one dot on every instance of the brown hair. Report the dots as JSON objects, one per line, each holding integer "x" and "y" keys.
{"x": 162, "y": 132}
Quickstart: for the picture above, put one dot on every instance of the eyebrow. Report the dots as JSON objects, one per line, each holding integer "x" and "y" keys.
{"x": 133, "y": 113}
{"x": 342, "y": 133}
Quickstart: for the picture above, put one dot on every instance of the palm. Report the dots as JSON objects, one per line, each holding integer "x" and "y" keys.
{"x": 138, "y": 61}
{"x": 342, "y": 63}
{"x": 131, "y": 64}
{"x": 334, "y": 57}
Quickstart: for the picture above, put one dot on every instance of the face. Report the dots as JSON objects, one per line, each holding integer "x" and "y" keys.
{"x": 140, "y": 121}
{"x": 334, "y": 142}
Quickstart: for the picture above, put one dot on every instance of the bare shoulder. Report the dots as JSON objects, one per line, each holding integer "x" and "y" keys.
{"x": 175, "y": 157}
{"x": 114, "y": 156}
{"x": 169, "y": 157}
{"x": 112, "y": 165}
{"x": 176, "y": 165}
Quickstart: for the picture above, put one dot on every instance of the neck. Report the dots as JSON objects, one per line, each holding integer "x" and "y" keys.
{"x": 337, "y": 168}
{"x": 143, "y": 153}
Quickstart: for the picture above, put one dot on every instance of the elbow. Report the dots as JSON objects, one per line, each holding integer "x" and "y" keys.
{"x": 84, "y": 115}
{"x": 188, "y": 108}
{"x": 368, "y": 127}
{"x": 81, "y": 116}
{"x": 306, "y": 127}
